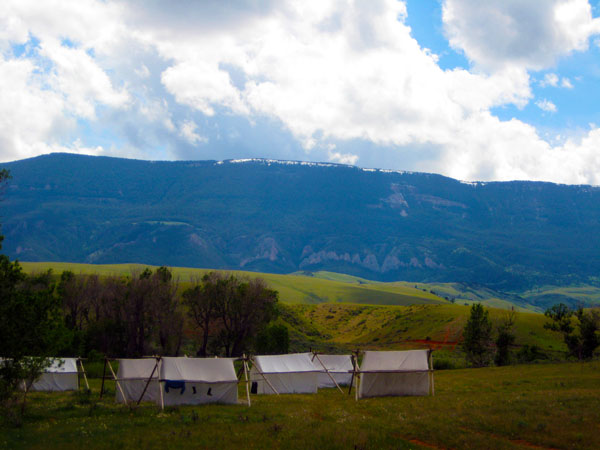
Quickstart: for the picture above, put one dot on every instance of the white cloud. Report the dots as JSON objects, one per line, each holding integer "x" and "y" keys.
{"x": 553, "y": 80}
{"x": 566, "y": 83}
{"x": 527, "y": 34}
{"x": 328, "y": 72}
{"x": 202, "y": 85}
{"x": 187, "y": 130}
{"x": 550, "y": 79}
{"x": 546, "y": 105}
{"x": 77, "y": 76}
{"x": 30, "y": 116}
{"x": 343, "y": 158}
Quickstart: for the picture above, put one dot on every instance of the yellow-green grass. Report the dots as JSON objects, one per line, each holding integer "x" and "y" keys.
{"x": 291, "y": 288}
{"x": 349, "y": 327}
{"x": 586, "y": 294}
{"x": 516, "y": 407}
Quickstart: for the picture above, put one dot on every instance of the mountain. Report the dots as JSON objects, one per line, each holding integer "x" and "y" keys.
{"x": 282, "y": 217}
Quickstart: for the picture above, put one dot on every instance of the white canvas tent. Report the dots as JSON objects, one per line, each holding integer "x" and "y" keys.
{"x": 339, "y": 367}
{"x": 61, "y": 375}
{"x": 389, "y": 373}
{"x": 287, "y": 374}
{"x": 132, "y": 376}
{"x": 193, "y": 381}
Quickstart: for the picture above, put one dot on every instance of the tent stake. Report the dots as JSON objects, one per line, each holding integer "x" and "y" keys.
{"x": 327, "y": 372}
{"x": 148, "y": 382}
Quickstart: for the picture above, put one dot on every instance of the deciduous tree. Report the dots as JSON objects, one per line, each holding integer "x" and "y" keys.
{"x": 579, "y": 329}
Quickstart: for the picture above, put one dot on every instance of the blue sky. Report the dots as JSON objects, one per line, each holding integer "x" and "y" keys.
{"x": 496, "y": 90}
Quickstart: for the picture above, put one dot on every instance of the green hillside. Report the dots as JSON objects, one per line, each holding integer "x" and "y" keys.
{"x": 546, "y": 296}
{"x": 292, "y": 288}
{"x": 335, "y": 312}
{"x": 345, "y": 327}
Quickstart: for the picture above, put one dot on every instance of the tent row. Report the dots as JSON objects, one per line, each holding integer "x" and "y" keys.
{"x": 180, "y": 380}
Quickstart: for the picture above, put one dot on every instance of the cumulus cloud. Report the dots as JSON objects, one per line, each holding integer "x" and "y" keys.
{"x": 550, "y": 79}
{"x": 188, "y": 132}
{"x": 328, "y": 72}
{"x": 515, "y": 32}
{"x": 31, "y": 116}
{"x": 553, "y": 80}
{"x": 546, "y": 105}
{"x": 78, "y": 77}
{"x": 566, "y": 83}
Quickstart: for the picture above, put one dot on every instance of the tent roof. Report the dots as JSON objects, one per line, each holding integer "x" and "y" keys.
{"x": 411, "y": 360}
{"x": 335, "y": 363}
{"x": 206, "y": 370}
{"x": 292, "y": 363}
{"x": 136, "y": 368}
{"x": 62, "y": 365}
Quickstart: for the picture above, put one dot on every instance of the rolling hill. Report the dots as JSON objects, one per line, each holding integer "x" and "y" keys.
{"x": 293, "y": 289}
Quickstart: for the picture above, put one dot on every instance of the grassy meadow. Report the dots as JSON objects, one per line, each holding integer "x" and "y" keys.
{"x": 517, "y": 407}
{"x": 547, "y": 405}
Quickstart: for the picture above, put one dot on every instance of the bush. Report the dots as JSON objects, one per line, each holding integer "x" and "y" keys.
{"x": 443, "y": 364}
{"x": 274, "y": 339}
{"x": 529, "y": 354}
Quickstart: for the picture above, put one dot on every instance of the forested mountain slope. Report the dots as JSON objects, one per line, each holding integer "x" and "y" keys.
{"x": 282, "y": 217}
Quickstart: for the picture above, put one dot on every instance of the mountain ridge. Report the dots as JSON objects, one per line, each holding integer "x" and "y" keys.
{"x": 277, "y": 216}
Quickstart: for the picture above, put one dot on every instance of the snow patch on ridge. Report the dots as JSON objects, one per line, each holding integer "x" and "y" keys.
{"x": 268, "y": 162}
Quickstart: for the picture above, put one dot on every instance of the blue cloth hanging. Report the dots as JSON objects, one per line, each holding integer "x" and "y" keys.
{"x": 175, "y": 384}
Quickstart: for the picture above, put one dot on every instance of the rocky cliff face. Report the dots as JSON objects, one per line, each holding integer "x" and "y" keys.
{"x": 286, "y": 216}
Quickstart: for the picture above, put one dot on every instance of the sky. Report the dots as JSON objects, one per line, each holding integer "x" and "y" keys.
{"x": 475, "y": 90}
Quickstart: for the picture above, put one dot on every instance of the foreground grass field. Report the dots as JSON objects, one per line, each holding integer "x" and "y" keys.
{"x": 517, "y": 407}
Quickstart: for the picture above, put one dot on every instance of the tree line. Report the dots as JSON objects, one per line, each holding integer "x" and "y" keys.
{"x": 148, "y": 313}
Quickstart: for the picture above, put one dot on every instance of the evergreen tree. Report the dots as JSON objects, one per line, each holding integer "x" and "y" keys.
{"x": 506, "y": 338}
{"x": 477, "y": 337}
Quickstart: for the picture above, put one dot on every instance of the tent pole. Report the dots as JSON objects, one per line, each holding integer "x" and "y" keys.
{"x": 358, "y": 380}
{"x": 353, "y": 372}
{"x": 84, "y": 375}
{"x": 265, "y": 378}
{"x": 103, "y": 377}
{"x": 327, "y": 372}
{"x": 246, "y": 377}
{"x": 148, "y": 382}
{"x": 431, "y": 383}
{"x": 162, "y": 399}
{"x": 117, "y": 383}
